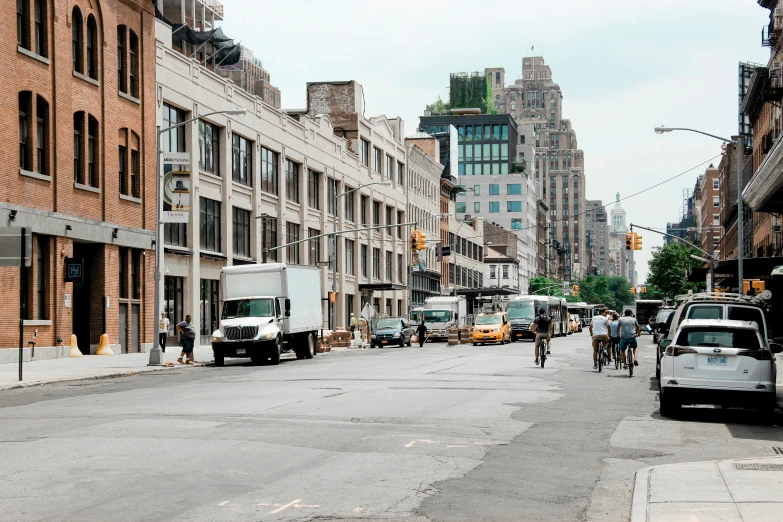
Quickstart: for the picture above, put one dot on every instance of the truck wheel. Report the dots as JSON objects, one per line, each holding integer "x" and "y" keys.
{"x": 219, "y": 359}
{"x": 274, "y": 355}
{"x": 310, "y": 340}
{"x": 257, "y": 358}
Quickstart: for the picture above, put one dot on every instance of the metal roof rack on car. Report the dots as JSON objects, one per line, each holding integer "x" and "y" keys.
{"x": 761, "y": 299}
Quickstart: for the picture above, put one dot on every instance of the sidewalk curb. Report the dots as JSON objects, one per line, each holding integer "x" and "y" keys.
{"x": 129, "y": 373}
{"x": 640, "y": 494}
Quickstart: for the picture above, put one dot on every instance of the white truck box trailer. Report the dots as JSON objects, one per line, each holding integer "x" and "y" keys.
{"x": 268, "y": 309}
{"x": 442, "y": 313}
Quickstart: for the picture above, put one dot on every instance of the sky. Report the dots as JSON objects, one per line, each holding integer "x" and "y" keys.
{"x": 624, "y": 67}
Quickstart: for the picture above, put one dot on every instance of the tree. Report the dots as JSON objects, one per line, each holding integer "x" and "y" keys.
{"x": 614, "y": 292}
{"x": 545, "y": 286}
{"x": 439, "y": 106}
{"x": 669, "y": 266}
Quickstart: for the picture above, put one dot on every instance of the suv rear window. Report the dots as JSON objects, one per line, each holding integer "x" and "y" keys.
{"x": 718, "y": 337}
{"x": 746, "y": 313}
{"x": 705, "y": 312}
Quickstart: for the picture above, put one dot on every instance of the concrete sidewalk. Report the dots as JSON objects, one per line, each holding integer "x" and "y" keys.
{"x": 725, "y": 491}
{"x": 90, "y": 367}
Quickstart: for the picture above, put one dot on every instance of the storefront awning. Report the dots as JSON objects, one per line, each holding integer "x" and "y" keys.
{"x": 753, "y": 268}
{"x": 380, "y": 287}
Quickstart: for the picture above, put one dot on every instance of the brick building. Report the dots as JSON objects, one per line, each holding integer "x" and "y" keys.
{"x": 709, "y": 223}
{"x": 82, "y": 176}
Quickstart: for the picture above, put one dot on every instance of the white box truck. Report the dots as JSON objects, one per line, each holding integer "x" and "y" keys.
{"x": 442, "y": 313}
{"x": 268, "y": 309}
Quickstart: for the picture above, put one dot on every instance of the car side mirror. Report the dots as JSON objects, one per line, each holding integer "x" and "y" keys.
{"x": 287, "y": 307}
{"x": 776, "y": 348}
{"x": 664, "y": 343}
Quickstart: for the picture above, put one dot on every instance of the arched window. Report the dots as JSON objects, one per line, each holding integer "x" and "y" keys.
{"x": 78, "y": 132}
{"x": 77, "y": 31}
{"x": 92, "y": 152}
{"x": 25, "y": 115}
{"x": 135, "y": 165}
{"x": 42, "y": 136}
{"x": 92, "y": 48}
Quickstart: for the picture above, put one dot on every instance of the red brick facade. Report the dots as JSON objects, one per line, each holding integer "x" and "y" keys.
{"x": 45, "y": 89}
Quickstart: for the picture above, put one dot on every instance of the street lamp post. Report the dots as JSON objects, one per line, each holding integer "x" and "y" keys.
{"x": 156, "y": 354}
{"x": 333, "y": 253}
{"x": 740, "y": 240}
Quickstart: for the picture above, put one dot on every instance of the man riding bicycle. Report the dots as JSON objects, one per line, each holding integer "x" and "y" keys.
{"x": 540, "y": 327}
{"x": 599, "y": 331}
{"x": 614, "y": 336}
{"x": 628, "y": 328}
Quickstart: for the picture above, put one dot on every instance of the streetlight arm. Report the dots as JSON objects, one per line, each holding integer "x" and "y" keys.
{"x": 661, "y": 130}
{"x": 180, "y": 124}
{"x": 387, "y": 183}
{"x": 673, "y": 237}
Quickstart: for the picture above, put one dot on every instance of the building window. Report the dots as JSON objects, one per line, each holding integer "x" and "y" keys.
{"x": 514, "y": 189}
{"x": 92, "y": 48}
{"x": 716, "y": 219}
{"x": 400, "y": 219}
{"x": 39, "y": 7}
{"x": 331, "y": 196}
{"x": 270, "y": 230}
{"x": 292, "y": 181}
{"x": 716, "y": 201}
{"x": 268, "y": 171}
{"x": 516, "y": 224}
{"x": 376, "y": 213}
{"x": 513, "y": 206}
{"x": 135, "y": 274}
{"x": 376, "y": 263}
{"x": 210, "y": 304}
{"x": 389, "y": 221}
{"x": 364, "y": 151}
{"x": 209, "y": 148}
{"x": 292, "y": 235}
{"x": 349, "y": 256}
{"x": 315, "y": 246}
{"x": 364, "y": 260}
{"x": 715, "y": 184}
{"x": 349, "y": 204}
{"x": 401, "y": 173}
{"x": 377, "y": 160}
{"x": 77, "y": 28}
{"x": 209, "y": 217}
{"x": 121, "y": 59}
{"x": 42, "y": 275}
{"x": 172, "y": 298}
{"x": 135, "y": 164}
{"x": 365, "y": 202}
{"x": 494, "y": 190}
{"x": 313, "y": 189}
{"x": 476, "y": 207}
{"x": 389, "y": 167}
{"x": 123, "y": 262}
{"x": 242, "y": 159}
{"x": 460, "y": 207}
{"x": 389, "y": 275}
{"x": 241, "y": 227}
{"x": 92, "y": 152}
{"x": 505, "y": 271}
{"x": 22, "y": 22}
{"x": 25, "y": 113}
{"x": 123, "y": 158}
{"x": 133, "y": 83}
{"x": 42, "y": 136}
{"x": 494, "y": 206}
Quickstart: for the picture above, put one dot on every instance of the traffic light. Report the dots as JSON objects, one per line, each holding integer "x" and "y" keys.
{"x": 637, "y": 242}
{"x": 629, "y": 241}
{"x": 414, "y": 239}
{"x": 575, "y": 290}
{"x": 422, "y": 241}
{"x": 633, "y": 290}
{"x": 644, "y": 289}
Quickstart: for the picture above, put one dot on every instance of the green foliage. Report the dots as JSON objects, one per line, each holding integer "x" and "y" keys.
{"x": 668, "y": 268}
{"x": 614, "y": 292}
{"x": 545, "y": 286}
{"x": 471, "y": 91}
{"x": 489, "y": 103}
{"x": 439, "y": 106}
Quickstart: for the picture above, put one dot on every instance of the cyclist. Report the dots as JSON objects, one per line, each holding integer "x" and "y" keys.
{"x": 599, "y": 330}
{"x": 628, "y": 328}
{"x": 615, "y": 337}
{"x": 540, "y": 327}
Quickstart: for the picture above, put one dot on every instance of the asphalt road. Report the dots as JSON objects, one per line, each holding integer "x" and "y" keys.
{"x": 434, "y": 434}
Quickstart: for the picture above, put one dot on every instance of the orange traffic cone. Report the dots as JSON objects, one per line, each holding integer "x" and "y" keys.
{"x": 75, "y": 351}
{"x": 103, "y": 346}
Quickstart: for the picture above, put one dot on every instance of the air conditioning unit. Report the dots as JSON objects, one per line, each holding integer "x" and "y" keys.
{"x": 777, "y": 228}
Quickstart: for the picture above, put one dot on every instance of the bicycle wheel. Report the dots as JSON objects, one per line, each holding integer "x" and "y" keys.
{"x": 629, "y": 358}
{"x": 600, "y": 356}
{"x": 543, "y": 358}
{"x": 616, "y": 357}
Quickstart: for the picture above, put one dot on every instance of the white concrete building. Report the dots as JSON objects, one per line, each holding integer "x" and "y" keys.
{"x": 271, "y": 176}
{"x": 501, "y": 270}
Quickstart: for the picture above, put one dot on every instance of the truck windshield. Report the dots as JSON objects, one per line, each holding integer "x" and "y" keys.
{"x": 436, "y": 316}
{"x": 248, "y": 308}
{"x": 719, "y": 337}
{"x": 521, "y": 310}
{"x": 488, "y": 319}
{"x": 388, "y": 324}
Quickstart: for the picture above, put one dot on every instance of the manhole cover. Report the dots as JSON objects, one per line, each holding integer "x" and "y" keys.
{"x": 758, "y": 467}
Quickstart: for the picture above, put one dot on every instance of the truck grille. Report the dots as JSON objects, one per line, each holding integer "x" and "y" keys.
{"x": 240, "y": 333}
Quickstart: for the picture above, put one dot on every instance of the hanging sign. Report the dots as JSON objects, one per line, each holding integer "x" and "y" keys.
{"x": 176, "y": 196}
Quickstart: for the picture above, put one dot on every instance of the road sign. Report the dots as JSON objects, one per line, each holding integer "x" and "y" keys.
{"x": 74, "y": 270}
{"x": 176, "y": 158}
{"x": 11, "y": 246}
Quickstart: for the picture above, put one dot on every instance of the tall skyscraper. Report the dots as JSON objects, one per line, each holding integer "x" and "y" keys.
{"x": 597, "y": 226}
{"x": 558, "y": 162}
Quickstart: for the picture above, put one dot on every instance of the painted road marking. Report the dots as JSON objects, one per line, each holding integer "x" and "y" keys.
{"x": 428, "y": 441}
{"x": 294, "y": 504}
{"x": 224, "y": 503}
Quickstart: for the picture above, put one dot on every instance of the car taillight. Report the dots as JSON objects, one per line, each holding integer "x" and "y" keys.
{"x": 679, "y": 350}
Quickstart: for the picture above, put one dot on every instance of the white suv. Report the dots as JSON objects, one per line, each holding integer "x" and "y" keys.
{"x": 718, "y": 361}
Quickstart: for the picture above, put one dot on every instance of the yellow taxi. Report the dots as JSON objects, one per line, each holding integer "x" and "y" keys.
{"x": 492, "y": 328}
{"x": 574, "y": 323}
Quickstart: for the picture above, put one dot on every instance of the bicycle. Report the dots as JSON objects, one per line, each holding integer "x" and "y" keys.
{"x": 542, "y": 355}
{"x": 629, "y": 358}
{"x": 616, "y": 354}
{"x": 601, "y": 355}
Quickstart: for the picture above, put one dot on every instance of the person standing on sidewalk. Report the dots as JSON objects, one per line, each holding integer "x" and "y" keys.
{"x": 187, "y": 337}
{"x": 164, "y": 327}
{"x": 352, "y": 324}
{"x": 421, "y": 333}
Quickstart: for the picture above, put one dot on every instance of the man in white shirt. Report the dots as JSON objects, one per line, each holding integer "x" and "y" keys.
{"x": 164, "y": 326}
{"x": 599, "y": 329}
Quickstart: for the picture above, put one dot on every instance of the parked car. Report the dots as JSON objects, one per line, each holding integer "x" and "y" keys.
{"x": 718, "y": 361}
{"x": 661, "y": 324}
{"x": 392, "y": 331}
{"x": 491, "y": 328}
{"x": 715, "y": 306}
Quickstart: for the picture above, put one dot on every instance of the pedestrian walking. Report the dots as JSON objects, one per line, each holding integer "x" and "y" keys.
{"x": 187, "y": 337}
{"x": 164, "y": 327}
{"x": 421, "y": 333}
{"x": 352, "y": 323}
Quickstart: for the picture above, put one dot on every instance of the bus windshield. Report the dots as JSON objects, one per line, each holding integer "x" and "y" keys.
{"x": 248, "y": 308}
{"x": 436, "y": 316}
{"x": 521, "y": 310}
